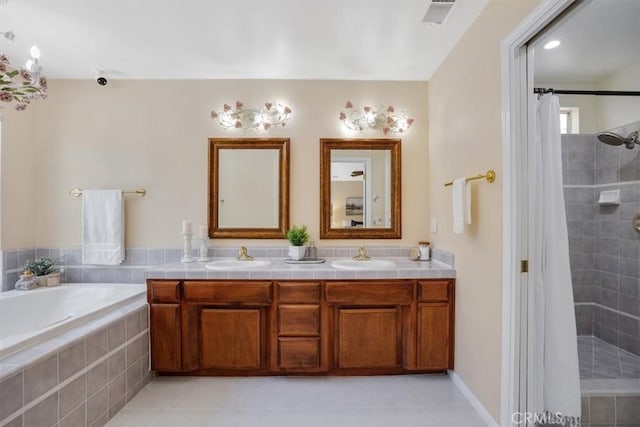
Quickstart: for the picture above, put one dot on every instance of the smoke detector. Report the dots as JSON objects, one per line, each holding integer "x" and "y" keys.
{"x": 437, "y": 11}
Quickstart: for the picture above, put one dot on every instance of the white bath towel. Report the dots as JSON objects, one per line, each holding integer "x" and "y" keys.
{"x": 461, "y": 204}
{"x": 102, "y": 227}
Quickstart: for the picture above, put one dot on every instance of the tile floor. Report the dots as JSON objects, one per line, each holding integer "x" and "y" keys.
{"x": 599, "y": 359}
{"x": 391, "y": 401}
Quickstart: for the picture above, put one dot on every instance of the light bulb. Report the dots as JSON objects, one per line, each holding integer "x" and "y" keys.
{"x": 552, "y": 44}
{"x": 35, "y": 52}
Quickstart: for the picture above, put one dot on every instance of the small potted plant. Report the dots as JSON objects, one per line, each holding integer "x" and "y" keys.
{"x": 297, "y": 236}
{"x": 43, "y": 269}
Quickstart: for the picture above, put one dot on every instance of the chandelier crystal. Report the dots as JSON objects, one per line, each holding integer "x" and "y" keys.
{"x": 272, "y": 114}
{"x": 375, "y": 117}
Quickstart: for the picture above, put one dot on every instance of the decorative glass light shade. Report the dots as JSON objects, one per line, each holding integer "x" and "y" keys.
{"x": 20, "y": 87}
{"x": 273, "y": 114}
{"x": 375, "y": 117}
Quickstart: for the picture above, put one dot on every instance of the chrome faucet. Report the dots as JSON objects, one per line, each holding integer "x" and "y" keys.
{"x": 362, "y": 254}
{"x": 243, "y": 255}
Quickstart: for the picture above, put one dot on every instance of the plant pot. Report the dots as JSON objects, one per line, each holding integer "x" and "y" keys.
{"x": 42, "y": 280}
{"x": 53, "y": 279}
{"x": 297, "y": 252}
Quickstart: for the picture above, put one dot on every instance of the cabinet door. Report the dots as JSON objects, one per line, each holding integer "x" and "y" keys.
{"x": 299, "y": 353}
{"x": 165, "y": 337}
{"x": 369, "y": 337}
{"x": 433, "y": 336}
{"x": 231, "y": 338}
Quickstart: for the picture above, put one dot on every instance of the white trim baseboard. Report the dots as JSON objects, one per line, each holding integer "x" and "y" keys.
{"x": 473, "y": 400}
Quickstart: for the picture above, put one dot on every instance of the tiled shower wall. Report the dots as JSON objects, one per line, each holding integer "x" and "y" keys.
{"x": 604, "y": 248}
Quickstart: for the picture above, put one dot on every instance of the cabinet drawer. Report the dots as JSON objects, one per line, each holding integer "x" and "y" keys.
{"x": 298, "y": 353}
{"x": 299, "y": 292}
{"x": 299, "y": 320}
{"x": 434, "y": 290}
{"x": 237, "y": 293}
{"x": 363, "y": 293}
{"x": 163, "y": 291}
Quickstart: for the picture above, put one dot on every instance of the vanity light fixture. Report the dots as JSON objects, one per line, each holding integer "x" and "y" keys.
{"x": 375, "y": 117}
{"x": 22, "y": 86}
{"x": 552, "y": 44}
{"x": 272, "y": 114}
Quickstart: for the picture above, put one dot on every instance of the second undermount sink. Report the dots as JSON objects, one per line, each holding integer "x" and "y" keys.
{"x": 236, "y": 264}
{"x": 371, "y": 264}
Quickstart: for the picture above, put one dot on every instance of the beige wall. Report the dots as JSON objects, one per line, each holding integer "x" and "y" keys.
{"x": 153, "y": 134}
{"x": 465, "y": 139}
{"x": 616, "y": 111}
{"x": 19, "y": 209}
{"x": 599, "y": 113}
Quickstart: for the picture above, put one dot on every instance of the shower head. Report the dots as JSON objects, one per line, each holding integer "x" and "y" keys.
{"x": 613, "y": 138}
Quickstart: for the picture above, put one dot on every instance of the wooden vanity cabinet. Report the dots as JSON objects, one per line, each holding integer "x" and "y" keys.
{"x": 299, "y": 346}
{"x": 257, "y": 327}
{"x": 372, "y": 323}
{"x": 165, "y": 325}
{"x": 229, "y": 323}
{"x": 435, "y": 325}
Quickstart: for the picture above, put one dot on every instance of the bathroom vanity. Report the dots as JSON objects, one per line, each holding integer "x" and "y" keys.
{"x": 306, "y": 326}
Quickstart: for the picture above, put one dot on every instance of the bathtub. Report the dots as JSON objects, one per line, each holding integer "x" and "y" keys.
{"x": 29, "y": 317}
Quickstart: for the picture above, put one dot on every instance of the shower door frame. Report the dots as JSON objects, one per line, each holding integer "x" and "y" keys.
{"x": 517, "y": 142}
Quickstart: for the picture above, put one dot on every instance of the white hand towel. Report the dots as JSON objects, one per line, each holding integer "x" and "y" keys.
{"x": 467, "y": 203}
{"x": 458, "y": 205}
{"x": 102, "y": 227}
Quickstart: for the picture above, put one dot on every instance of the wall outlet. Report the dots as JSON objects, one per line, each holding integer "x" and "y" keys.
{"x": 434, "y": 226}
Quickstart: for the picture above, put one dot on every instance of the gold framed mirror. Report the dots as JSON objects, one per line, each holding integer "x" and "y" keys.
{"x": 360, "y": 188}
{"x": 248, "y": 188}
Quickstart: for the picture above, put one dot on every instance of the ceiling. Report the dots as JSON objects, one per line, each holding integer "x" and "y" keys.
{"x": 234, "y": 39}
{"x": 598, "y": 38}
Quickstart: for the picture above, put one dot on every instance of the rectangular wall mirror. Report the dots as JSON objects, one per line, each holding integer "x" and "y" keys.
{"x": 248, "y": 187}
{"x": 360, "y": 189}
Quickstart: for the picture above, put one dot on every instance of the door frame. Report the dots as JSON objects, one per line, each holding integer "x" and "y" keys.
{"x": 516, "y": 163}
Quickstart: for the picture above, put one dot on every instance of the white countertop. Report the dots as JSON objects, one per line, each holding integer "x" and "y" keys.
{"x": 278, "y": 269}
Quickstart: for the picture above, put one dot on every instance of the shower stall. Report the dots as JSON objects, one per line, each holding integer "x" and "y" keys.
{"x": 604, "y": 248}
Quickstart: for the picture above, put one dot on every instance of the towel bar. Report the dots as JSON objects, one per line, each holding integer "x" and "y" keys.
{"x": 140, "y": 192}
{"x": 490, "y": 176}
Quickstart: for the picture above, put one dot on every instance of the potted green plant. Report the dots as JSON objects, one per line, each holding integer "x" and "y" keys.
{"x": 44, "y": 270}
{"x": 297, "y": 236}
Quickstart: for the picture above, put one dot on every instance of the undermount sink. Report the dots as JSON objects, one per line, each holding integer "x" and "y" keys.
{"x": 236, "y": 264}
{"x": 371, "y": 264}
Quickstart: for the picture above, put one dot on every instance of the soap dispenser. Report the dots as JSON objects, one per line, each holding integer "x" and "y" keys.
{"x": 27, "y": 281}
{"x": 312, "y": 251}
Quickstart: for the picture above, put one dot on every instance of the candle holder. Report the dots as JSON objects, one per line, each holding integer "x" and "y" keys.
{"x": 204, "y": 251}
{"x": 186, "y": 256}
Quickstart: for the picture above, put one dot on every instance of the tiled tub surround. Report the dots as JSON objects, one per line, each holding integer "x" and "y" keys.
{"x": 604, "y": 248}
{"x": 139, "y": 261}
{"x": 52, "y": 310}
{"x": 80, "y": 377}
{"x": 73, "y": 271}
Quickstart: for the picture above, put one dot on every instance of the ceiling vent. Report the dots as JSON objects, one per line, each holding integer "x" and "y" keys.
{"x": 437, "y": 11}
